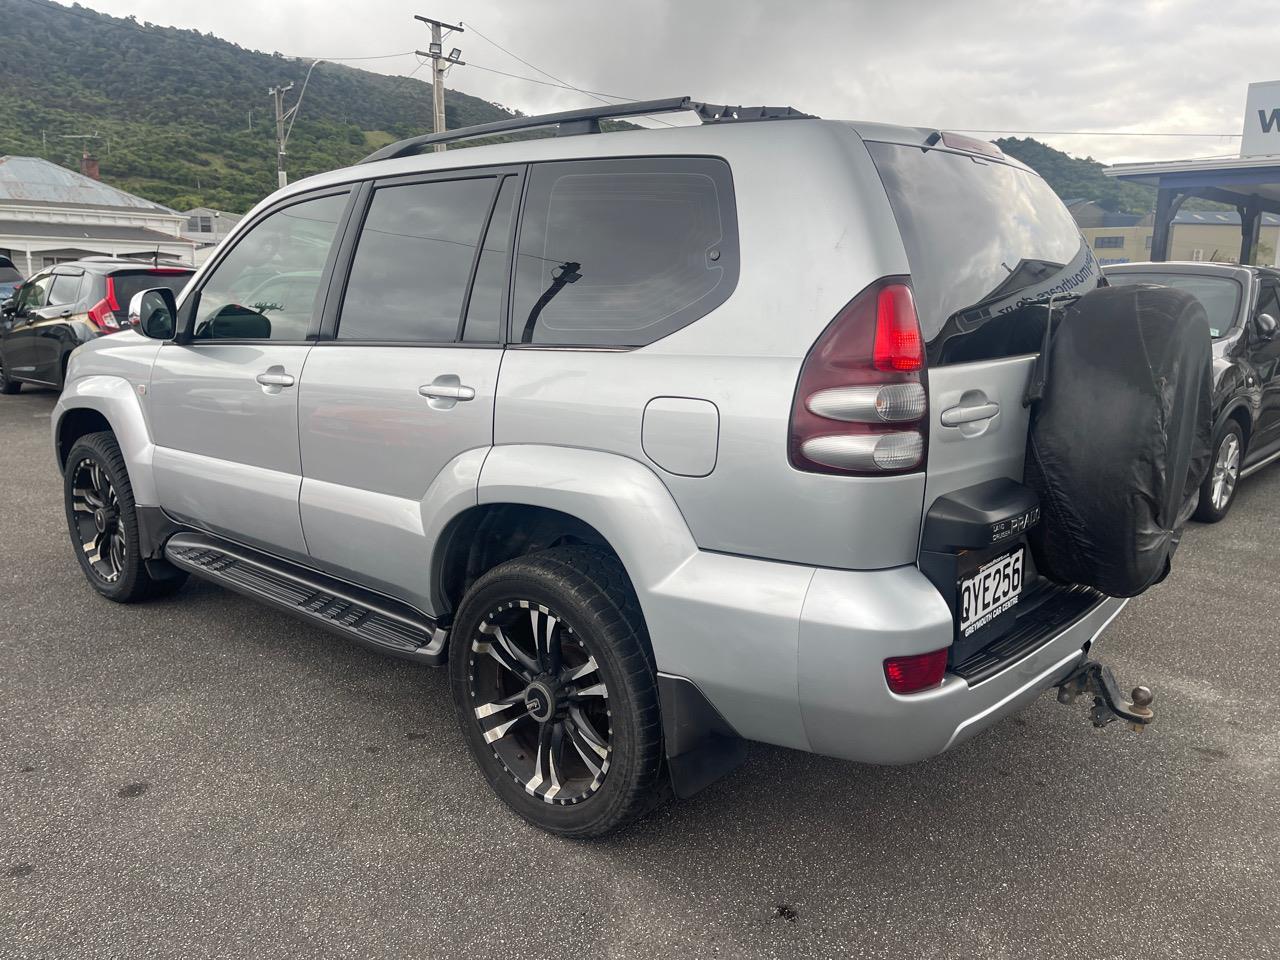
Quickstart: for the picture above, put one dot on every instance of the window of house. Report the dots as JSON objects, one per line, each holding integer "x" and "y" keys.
{"x": 1105, "y": 243}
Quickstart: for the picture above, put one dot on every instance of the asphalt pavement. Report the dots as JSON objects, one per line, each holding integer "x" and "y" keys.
{"x": 204, "y": 777}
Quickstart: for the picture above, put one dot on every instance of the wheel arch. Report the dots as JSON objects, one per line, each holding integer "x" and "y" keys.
{"x": 96, "y": 403}
{"x": 1240, "y": 413}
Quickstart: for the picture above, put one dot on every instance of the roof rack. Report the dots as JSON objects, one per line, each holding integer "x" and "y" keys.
{"x": 588, "y": 121}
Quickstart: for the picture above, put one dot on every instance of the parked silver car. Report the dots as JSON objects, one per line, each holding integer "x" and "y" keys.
{"x": 663, "y": 440}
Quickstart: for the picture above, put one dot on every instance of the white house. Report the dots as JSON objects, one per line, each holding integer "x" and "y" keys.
{"x": 207, "y": 227}
{"x": 49, "y": 214}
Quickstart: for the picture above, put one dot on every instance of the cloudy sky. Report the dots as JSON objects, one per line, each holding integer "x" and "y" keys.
{"x": 1138, "y": 66}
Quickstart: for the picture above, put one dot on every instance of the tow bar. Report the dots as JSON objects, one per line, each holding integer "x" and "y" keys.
{"x": 1109, "y": 704}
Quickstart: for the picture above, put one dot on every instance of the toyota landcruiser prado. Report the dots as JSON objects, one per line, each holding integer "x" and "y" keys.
{"x": 661, "y": 440}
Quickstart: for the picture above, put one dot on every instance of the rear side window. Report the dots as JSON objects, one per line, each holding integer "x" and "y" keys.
{"x": 619, "y": 253}
{"x": 1220, "y": 296}
{"x": 65, "y": 290}
{"x": 983, "y": 239}
{"x": 413, "y": 261}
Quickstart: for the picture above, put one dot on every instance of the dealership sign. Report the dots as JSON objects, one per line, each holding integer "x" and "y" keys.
{"x": 1261, "y": 120}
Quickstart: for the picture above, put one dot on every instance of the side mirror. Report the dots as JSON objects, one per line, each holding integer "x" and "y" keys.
{"x": 1267, "y": 326}
{"x": 153, "y": 313}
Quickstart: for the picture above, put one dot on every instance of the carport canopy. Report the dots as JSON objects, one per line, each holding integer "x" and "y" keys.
{"x": 1250, "y": 184}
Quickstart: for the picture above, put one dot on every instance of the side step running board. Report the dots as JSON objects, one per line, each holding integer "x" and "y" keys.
{"x": 368, "y": 618}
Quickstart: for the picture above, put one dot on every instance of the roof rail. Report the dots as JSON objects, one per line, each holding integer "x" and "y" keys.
{"x": 588, "y": 121}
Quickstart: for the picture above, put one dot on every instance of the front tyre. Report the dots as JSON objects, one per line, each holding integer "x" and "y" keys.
{"x": 556, "y": 691}
{"x": 103, "y": 522}
{"x": 7, "y": 387}
{"x": 1218, "y": 491}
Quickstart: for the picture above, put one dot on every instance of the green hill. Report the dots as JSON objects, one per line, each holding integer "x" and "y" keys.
{"x": 1074, "y": 177}
{"x": 173, "y": 106}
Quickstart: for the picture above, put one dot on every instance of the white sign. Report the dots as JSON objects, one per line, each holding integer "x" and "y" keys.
{"x": 1261, "y": 120}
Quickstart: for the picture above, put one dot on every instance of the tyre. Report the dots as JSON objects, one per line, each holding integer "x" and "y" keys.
{"x": 7, "y": 386}
{"x": 103, "y": 522}
{"x": 1218, "y": 490}
{"x": 556, "y": 691}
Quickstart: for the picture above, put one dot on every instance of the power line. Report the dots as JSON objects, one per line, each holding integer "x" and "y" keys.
{"x": 1090, "y": 133}
{"x": 558, "y": 80}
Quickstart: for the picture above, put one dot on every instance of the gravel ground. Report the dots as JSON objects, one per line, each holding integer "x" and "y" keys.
{"x": 203, "y": 777}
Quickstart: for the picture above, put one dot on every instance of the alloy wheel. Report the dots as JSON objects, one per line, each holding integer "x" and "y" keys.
{"x": 96, "y": 512}
{"x": 1226, "y": 471}
{"x": 541, "y": 702}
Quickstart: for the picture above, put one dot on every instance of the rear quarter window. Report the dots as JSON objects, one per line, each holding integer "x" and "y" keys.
{"x": 620, "y": 253}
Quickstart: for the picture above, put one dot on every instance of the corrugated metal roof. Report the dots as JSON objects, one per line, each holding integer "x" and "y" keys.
{"x": 1219, "y": 218}
{"x": 85, "y": 231}
{"x": 31, "y": 179}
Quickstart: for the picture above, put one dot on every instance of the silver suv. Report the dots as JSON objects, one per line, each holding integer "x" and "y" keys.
{"x": 661, "y": 440}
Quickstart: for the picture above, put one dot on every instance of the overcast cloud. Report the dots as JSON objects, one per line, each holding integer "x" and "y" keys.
{"x": 1158, "y": 66}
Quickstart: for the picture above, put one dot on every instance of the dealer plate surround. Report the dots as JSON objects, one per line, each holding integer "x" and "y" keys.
{"x": 994, "y": 589}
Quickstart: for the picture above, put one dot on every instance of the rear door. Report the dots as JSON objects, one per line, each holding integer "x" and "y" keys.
{"x": 223, "y": 400}
{"x": 983, "y": 238}
{"x": 400, "y": 387}
{"x": 52, "y": 337}
{"x": 988, "y": 243}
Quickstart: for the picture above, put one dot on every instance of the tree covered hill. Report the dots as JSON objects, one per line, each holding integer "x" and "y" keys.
{"x": 173, "y": 106}
{"x": 184, "y": 118}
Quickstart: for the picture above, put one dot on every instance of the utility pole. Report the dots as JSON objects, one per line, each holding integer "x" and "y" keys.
{"x": 439, "y": 64}
{"x": 278, "y": 93}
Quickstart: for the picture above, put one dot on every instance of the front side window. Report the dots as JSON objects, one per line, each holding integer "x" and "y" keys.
{"x": 413, "y": 261}
{"x": 619, "y": 253}
{"x": 269, "y": 285}
{"x": 34, "y": 293}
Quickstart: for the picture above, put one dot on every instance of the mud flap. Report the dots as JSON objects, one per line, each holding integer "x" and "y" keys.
{"x": 1109, "y": 703}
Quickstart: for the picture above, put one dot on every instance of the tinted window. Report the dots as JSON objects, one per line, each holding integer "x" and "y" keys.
{"x": 623, "y": 252}
{"x": 982, "y": 238}
{"x": 128, "y": 284}
{"x": 34, "y": 292}
{"x": 1220, "y": 296}
{"x": 65, "y": 289}
{"x": 413, "y": 261}
{"x": 267, "y": 287}
{"x": 484, "y": 310}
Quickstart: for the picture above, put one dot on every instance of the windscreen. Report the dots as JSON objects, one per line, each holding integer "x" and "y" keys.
{"x": 128, "y": 284}
{"x": 1220, "y": 296}
{"x": 983, "y": 239}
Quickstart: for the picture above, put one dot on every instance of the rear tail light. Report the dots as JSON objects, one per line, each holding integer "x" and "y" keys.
{"x": 861, "y": 406}
{"x": 104, "y": 313}
{"x": 920, "y": 671}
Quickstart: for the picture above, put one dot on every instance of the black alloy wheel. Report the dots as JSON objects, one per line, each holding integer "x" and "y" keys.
{"x": 103, "y": 522}
{"x": 556, "y": 693}
{"x": 7, "y": 386}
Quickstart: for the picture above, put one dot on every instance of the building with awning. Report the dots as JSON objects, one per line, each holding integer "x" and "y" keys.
{"x": 49, "y": 214}
{"x": 1250, "y": 182}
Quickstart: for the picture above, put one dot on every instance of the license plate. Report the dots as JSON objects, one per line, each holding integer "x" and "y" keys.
{"x": 993, "y": 590}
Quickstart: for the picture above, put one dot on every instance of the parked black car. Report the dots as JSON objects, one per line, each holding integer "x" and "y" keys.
{"x": 62, "y": 307}
{"x": 10, "y": 279}
{"x": 1243, "y": 304}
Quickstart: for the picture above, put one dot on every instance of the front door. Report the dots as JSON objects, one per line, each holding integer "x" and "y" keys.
{"x": 19, "y": 338}
{"x": 223, "y": 398}
{"x": 1264, "y": 355}
{"x": 403, "y": 385}
{"x": 52, "y": 338}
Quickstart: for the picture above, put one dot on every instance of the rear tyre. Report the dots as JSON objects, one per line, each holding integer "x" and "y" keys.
{"x": 1218, "y": 491}
{"x": 7, "y": 386}
{"x": 103, "y": 522}
{"x": 556, "y": 691}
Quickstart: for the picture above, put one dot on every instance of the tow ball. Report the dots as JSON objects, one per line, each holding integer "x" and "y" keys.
{"x": 1109, "y": 704}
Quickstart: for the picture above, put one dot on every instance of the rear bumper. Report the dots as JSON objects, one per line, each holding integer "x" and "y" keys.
{"x": 794, "y": 656}
{"x": 850, "y": 712}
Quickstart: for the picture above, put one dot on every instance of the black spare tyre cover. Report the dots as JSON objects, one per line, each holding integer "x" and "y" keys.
{"x": 1121, "y": 440}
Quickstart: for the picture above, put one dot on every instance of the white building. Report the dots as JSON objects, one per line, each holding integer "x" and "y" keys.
{"x": 207, "y": 227}
{"x": 49, "y": 214}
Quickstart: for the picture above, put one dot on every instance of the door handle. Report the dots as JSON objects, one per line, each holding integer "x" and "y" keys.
{"x": 958, "y": 415}
{"x": 270, "y": 379}
{"x": 447, "y": 391}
